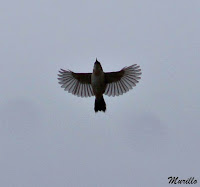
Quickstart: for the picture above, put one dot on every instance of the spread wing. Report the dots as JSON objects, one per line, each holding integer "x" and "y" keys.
{"x": 122, "y": 81}
{"x": 76, "y": 83}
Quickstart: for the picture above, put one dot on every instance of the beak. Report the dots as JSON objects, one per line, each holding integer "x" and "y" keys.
{"x": 96, "y": 62}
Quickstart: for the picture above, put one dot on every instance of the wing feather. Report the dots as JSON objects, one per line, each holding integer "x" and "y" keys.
{"x": 78, "y": 84}
{"x": 122, "y": 81}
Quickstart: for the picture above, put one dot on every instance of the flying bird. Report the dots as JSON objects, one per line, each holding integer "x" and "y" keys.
{"x": 99, "y": 83}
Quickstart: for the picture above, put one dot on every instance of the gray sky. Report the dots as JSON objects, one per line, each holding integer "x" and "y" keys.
{"x": 51, "y": 138}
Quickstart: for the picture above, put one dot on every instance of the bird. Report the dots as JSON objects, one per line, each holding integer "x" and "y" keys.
{"x": 99, "y": 83}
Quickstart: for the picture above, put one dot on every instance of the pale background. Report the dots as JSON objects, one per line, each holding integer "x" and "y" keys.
{"x": 51, "y": 138}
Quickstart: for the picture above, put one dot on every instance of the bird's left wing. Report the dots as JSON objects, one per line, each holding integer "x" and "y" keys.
{"x": 76, "y": 83}
{"x": 122, "y": 81}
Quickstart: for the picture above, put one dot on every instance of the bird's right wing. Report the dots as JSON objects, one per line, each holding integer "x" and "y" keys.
{"x": 122, "y": 81}
{"x": 76, "y": 83}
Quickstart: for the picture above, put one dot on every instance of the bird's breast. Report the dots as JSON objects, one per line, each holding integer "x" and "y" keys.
{"x": 98, "y": 84}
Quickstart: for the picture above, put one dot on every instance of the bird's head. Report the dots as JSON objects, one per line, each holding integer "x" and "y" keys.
{"x": 97, "y": 66}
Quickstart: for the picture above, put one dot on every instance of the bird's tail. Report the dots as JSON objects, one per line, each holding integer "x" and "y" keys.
{"x": 100, "y": 105}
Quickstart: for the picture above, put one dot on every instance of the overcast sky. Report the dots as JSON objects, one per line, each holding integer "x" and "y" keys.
{"x": 49, "y": 137}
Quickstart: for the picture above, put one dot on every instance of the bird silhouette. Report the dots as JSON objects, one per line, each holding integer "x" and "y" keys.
{"x": 99, "y": 82}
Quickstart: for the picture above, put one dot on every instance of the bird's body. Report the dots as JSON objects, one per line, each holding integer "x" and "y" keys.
{"x": 98, "y": 86}
{"x": 98, "y": 83}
